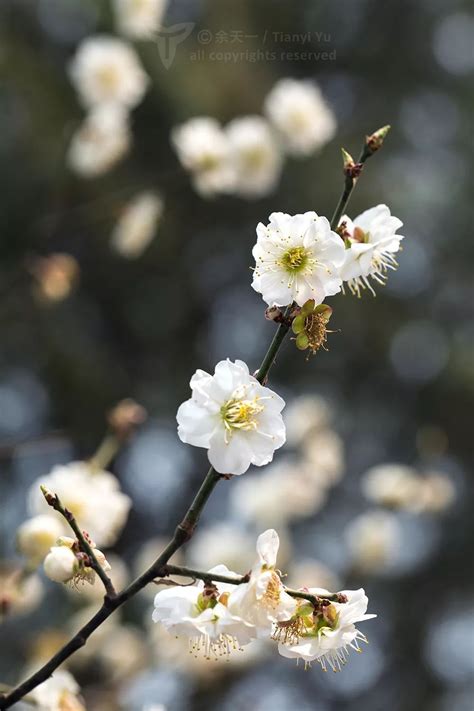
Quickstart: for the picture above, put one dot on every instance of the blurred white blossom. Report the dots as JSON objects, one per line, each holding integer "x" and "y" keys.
{"x": 304, "y": 416}
{"x": 204, "y": 150}
{"x": 437, "y": 492}
{"x": 323, "y": 455}
{"x": 137, "y": 225}
{"x": 231, "y": 415}
{"x": 309, "y": 569}
{"x": 255, "y": 155}
{"x": 93, "y": 497}
{"x": 100, "y": 142}
{"x": 301, "y": 115}
{"x": 297, "y": 257}
{"x": 373, "y": 539}
{"x": 19, "y": 592}
{"x": 221, "y": 542}
{"x": 139, "y": 19}
{"x": 123, "y": 652}
{"x": 371, "y": 242}
{"x": 36, "y": 536}
{"x": 107, "y": 70}
{"x": 285, "y": 491}
{"x": 392, "y": 485}
{"x": 58, "y": 693}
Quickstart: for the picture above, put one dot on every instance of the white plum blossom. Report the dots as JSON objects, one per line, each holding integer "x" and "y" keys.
{"x": 35, "y": 537}
{"x": 231, "y": 415}
{"x": 437, "y": 492}
{"x": 94, "y": 592}
{"x": 92, "y": 496}
{"x": 100, "y": 142}
{"x": 283, "y": 492}
{"x": 61, "y": 564}
{"x": 373, "y": 539}
{"x": 305, "y": 416}
{"x": 223, "y": 541}
{"x": 58, "y": 693}
{"x": 139, "y": 19}
{"x": 19, "y": 593}
{"x": 204, "y": 150}
{"x": 327, "y": 637}
{"x": 137, "y": 225}
{"x": 201, "y": 614}
{"x": 301, "y": 115}
{"x": 297, "y": 257}
{"x": 65, "y": 563}
{"x": 255, "y": 155}
{"x": 263, "y": 601}
{"x": 371, "y": 242}
{"x": 392, "y": 485}
{"x": 107, "y": 70}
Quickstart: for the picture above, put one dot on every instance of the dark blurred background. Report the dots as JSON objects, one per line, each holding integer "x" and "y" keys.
{"x": 398, "y": 372}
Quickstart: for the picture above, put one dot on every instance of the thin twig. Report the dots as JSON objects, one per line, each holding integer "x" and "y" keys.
{"x": 240, "y": 580}
{"x": 55, "y": 503}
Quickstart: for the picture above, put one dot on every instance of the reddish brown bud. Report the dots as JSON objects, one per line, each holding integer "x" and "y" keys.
{"x": 125, "y": 417}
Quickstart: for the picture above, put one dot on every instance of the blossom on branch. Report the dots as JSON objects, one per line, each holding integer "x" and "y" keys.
{"x": 263, "y": 601}
{"x": 325, "y": 635}
{"x": 201, "y": 613}
{"x": 66, "y": 562}
{"x": 371, "y": 242}
{"x": 297, "y": 257}
{"x": 231, "y": 415}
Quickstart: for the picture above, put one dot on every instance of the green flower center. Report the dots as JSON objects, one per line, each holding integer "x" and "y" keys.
{"x": 241, "y": 414}
{"x": 295, "y": 259}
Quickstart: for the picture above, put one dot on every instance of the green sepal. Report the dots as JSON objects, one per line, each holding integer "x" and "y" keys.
{"x": 298, "y": 323}
{"x": 302, "y": 341}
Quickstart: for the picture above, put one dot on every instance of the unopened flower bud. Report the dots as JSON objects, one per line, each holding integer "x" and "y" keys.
{"x": 376, "y": 139}
{"x": 125, "y": 417}
{"x": 351, "y": 168}
{"x": 61, "y": 564}
{"x": 56, "y": 276}
{"x": 273, "y": 313}
{"x": 36, "y": 536}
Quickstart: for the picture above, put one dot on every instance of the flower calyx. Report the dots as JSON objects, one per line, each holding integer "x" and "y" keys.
{"x": 310, "y": 326}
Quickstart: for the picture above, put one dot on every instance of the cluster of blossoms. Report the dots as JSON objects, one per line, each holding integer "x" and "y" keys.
{"x": 218, "y": 618}
{"x": 299, "y": 261}
{"x": 246, "y": 157}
